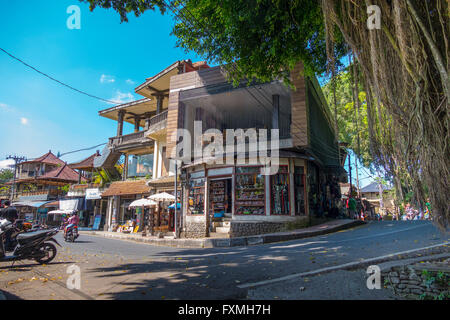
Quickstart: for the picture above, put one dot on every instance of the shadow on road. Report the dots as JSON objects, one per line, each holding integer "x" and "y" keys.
{"x": 27, "y": 267}
{"x": 10, "y": 296}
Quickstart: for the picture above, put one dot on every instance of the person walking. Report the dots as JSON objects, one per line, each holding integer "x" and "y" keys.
{"x": 9, "y": 213}
{"x": 352, "y": 208}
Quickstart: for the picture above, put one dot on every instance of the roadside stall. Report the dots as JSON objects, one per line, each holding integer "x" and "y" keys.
{"x": 141, "y": 206}
{"x": 162, "y": 216}
{"x": 30, "y": 210}
{"x": 66, "y": 208}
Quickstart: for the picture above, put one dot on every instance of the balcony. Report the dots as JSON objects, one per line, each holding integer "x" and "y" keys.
{"x": 157, "y": 126}
{"x": 130, "y": 143}
{"x": 41, "y": 195}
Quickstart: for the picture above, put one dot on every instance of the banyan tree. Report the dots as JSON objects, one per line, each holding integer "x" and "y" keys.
{"x": 404, "y": 69}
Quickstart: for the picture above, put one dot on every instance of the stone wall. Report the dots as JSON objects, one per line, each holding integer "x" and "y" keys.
{"x": 242, "y": 229}
{"x": 419, "y": 281}
{"x": 195, "y": 230}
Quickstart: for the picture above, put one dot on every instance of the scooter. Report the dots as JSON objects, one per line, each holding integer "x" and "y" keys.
{"x": 71, "y": 233}
{"x": 36, "y": 246}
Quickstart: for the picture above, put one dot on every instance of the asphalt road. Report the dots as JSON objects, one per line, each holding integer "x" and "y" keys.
{"x": 117, "y": 269}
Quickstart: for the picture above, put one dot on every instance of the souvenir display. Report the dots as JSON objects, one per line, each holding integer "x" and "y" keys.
{"x": 217, "y": 196}
{"x": 250, "y": 191}
{"x": 197, "y": 196}
{"x": 280, "y": 192}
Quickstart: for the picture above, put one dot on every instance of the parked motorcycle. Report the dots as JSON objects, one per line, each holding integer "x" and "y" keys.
{"x": 71, "y": 233}
{"x": 19, "y": 227}
{"x": 36, "y": 245}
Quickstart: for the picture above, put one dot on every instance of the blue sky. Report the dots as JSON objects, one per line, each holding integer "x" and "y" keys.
{"x": 38, "y": 114}
{"x": 104, "y": 58}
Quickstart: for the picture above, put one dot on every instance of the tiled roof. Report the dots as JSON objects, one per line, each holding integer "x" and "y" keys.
{"x": 373, "y": 187}
{"x": 127, "y": 188}
{"x": 87, "y": 163}
{"x": 163, "y": 181}
{"x": 49, "y": 158}
{"x": 63, "y": 173}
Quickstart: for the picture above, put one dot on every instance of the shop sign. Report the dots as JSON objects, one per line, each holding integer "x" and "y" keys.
{"x": 98, "y": 219}
{"x": 198, "y": 174}
{"x": 220, "y": 172}
{"x": 93, "y": 194}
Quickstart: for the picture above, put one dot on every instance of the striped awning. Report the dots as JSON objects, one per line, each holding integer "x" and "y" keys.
{"x": 33, "y": 204}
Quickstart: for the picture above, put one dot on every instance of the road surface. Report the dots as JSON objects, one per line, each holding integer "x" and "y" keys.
{"x": 118, "y": 269}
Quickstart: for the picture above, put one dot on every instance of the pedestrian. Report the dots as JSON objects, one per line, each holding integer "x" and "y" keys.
{"x": 9, "y": 213}
{"x": 352, "y": 208}
{"x": 428, "y": 209}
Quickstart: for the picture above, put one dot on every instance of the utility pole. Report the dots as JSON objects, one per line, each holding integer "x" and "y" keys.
{"x": 17, "y": 160}
{"x": 380, "y": 190}
{"x": 350, "y": 172}
{"x": 176, "y": 201}
{"x": 357, "y": 177}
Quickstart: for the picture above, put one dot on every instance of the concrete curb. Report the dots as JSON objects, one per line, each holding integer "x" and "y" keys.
{"x": 232, "y": 242}
{"x": 355, "y": 264}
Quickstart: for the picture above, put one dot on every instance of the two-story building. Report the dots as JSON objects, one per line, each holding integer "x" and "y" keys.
{"x": 146, "y": 165}
{"x": 40, "y": 181}
{"x": 230, "y": 194}
{"x": 188, "y": 110}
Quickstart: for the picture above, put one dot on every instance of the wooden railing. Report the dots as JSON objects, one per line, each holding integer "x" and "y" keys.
{"x": 129, "y": 138}
{"x": 159, "y": 118}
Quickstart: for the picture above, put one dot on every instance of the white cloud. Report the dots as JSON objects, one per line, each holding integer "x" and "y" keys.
{"x": 129, "y": 81}
{"x": 5, "y": 107}
{"x": 107, "y": 79}
{"x": 6, "y": 164}
{"x": 24, "y": 121}
{"x": 122, "y": 97}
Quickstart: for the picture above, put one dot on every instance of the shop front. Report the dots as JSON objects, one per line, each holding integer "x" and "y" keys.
{"x": 240, "y": 195}
{"x": 162, "y": 218}
{"x": 120, "y": 217}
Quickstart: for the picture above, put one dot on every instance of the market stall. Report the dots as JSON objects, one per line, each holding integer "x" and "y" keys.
{"x": 162, "y": 216}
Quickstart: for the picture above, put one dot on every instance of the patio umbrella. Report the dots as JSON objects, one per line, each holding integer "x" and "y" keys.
{"x": 173, "y": 206}
{"x": 162, "y": 197}
{"x": 142, "y": 203}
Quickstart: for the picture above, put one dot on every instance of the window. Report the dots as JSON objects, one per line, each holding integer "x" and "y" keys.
{"x": 299, "y": 191}
{"x": 196, "y": 201}
{"x": 250, "y": 191}
{"x": 140, "y": 166}
{"x": 279, "y": 188}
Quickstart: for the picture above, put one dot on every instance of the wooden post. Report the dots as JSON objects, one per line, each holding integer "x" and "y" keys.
{"x": 137, "y": 121}
{"x": 159, "y": 103}
{"x": 120, "y": 123}
{"x": 125, "y": 169}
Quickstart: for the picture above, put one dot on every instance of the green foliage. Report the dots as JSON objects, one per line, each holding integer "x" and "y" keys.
{"x": 6, "y": 175}
{"x": 264, "y": 39}
{"x": 346, "y": 115}
{"x": 123, "y": 7}
{"x": 65, "y": 188}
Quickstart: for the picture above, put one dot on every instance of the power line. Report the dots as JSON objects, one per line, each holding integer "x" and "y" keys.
{"x": 60, "y": 82}
{"x": 86, "y": 149}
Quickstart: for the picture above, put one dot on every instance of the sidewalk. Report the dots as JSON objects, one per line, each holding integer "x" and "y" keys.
{"x": 329, "y": 227}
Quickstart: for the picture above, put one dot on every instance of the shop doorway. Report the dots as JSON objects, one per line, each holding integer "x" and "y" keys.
{"x": 220, "y": 197}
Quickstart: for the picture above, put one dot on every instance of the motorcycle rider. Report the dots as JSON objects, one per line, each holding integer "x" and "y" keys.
{"x": 72, "y": 222}
{"x": 9, "y": 213}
